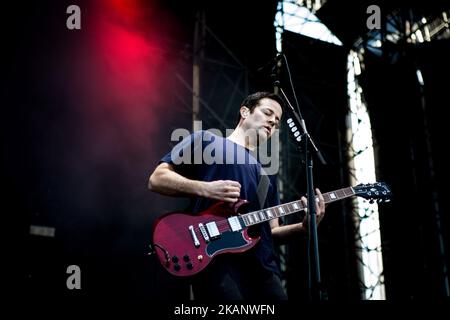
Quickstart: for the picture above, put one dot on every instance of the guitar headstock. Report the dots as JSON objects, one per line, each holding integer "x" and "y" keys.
{"x": 379, "y": 191}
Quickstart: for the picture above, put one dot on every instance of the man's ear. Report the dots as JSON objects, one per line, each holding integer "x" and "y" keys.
{"x": 244, "y": 112}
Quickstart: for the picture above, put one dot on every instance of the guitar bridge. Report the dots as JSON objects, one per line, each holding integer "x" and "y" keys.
{"x": 203, "y": 231}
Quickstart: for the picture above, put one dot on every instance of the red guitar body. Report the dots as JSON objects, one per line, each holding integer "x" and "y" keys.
{"x": 175, "y": 246}
{"x": 186, "y": 243}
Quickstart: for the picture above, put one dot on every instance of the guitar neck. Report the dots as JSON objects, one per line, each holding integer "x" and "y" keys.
{"x": 281, "y": 210}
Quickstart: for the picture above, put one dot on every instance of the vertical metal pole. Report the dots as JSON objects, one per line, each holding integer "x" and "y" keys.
{"x": 198, "y": 54}
{"x": 434, "y": 194}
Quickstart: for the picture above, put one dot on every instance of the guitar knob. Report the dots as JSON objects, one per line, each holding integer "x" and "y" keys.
{"x": 186, "y": 258}
{"x": 177, "y": 267}
{"x": 175, "y": 259}
{"x": 189, "y": 266}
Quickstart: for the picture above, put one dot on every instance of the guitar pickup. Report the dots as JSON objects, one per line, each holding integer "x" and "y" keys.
{"x": 234, "y": 223}
{"x": 212, "y": 229}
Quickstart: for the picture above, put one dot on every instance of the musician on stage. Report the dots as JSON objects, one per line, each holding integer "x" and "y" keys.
{"x": 253, "y": 275}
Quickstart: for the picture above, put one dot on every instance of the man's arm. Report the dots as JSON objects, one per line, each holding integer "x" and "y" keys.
{"x": 282, "y": 234}
{"x": 165, "y": 180}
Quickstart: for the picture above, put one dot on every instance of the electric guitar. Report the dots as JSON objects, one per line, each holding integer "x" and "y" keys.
{"x": 186, "y": 243}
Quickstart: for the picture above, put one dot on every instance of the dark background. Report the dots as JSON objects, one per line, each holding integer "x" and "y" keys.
{"x": 85, "y": 121}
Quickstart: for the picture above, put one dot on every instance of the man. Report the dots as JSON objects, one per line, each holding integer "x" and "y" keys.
{"x": 253, "y": 275}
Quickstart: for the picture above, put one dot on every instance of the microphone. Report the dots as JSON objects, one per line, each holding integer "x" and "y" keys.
{"x": 274, "y": 71}
{"x": 278, "y": 57}
{"x": 272, "y": 62}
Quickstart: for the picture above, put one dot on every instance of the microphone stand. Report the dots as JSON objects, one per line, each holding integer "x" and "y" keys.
{"x": 314, "y": 279}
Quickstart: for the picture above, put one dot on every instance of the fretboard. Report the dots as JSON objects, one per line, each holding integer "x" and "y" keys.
{"x": 267, "y": 214}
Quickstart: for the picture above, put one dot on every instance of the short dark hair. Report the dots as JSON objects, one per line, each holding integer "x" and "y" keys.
{"x": 252, "y": 100}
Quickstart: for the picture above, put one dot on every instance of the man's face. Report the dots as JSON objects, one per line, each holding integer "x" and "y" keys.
{"x": 265, "y": 118}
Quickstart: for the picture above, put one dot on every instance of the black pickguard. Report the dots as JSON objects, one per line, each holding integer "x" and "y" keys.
{"x": 228, "y": 240}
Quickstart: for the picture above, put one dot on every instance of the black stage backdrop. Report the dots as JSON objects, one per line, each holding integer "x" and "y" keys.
{"x": 409, "y": 125}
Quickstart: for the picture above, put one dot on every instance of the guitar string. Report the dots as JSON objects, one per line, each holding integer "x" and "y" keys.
{"x": 223, "y": 225}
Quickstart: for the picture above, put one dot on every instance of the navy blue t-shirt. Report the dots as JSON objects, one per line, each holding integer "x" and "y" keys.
{"x": 207, "y": 157}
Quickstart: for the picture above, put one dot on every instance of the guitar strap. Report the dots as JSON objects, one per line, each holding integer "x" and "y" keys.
{"x": 261, "y": 190}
